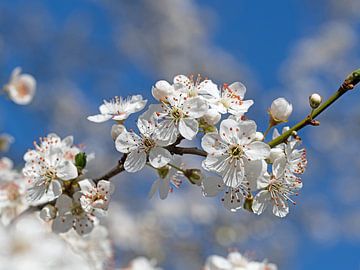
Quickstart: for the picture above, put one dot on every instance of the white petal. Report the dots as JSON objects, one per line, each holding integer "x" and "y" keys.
{"x": 67, "y": 171}
{"x": 63, "y": 204}
{"x": 238, "y": 88}
{"x": 253, "y": 171}
{"x": 279, "y": 167}
{"x": 166, "y": 132}
{"x": 154, "y": 188}
{"x": 281, "y": 209}
{"x": 86, "y": 185}
{"x": 232, "y": 200}
{"x": 62, "y": 224}
{"x": 159, "y": 157}
{"x": 212, "y": 143}
{"x": 230, "y": 131}
{"x": 127, "y": 142}
{"x": 195, "y": 107}
{"x": 207, "y": 87}
{"x": 261, "y": 201}
{"x": 243, "y": 107}
{"x": 99, "y": 118}
{"x": 216, "y": 262}
{"x": 212, "y": 186}
{"x": 188, "y": 128}
{"x": 56, "y": 188}
{"x": 164, "y": 188}
{"x": 105, "y": 187}
{"x": 135, "y": 161}
{"x": 84, "y": 225}
{"x": 257, "y": 150}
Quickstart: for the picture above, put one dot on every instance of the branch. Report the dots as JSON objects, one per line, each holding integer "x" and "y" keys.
{"x": 349, "y": 83}
{"x": 184, "y": 150}
{"x": 116, "y": 170}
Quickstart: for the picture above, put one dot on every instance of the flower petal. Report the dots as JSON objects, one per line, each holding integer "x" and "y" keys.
{"x": 212, "y": 143}
{"x": 257, "y": 150}
{"x": 188, "y": 128}
{"x": 66, "y": 170}
{"x": 99, "y": 118}
{"x": 63, "y": 223}
{"x": 212, "y": 186}
{"x": 195, "y": 107}
{"x": 127, "y": 142}
{"x": 135, "y": 161}
{"x": 159, "y": 157}
{"x": 261, "y": 201}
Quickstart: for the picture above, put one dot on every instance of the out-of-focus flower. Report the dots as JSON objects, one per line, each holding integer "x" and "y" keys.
{"x": 5, "y": 141}
{"x": 280, "y": 111}
{"x": 236, "y": 261}
{"x": 21, "y": 87}
{"x": 118, "y": 109}
{"x": 95, "y": 197}
{"x": 12, "y": 192}
{"x": 232, "y": 152}
{"x": 142, "y": 263}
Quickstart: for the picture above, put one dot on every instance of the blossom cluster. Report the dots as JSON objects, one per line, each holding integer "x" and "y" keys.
{"x": 236, "y": 153}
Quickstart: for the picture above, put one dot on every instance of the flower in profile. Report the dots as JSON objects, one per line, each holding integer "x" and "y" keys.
{"x": 232, "y": 153}
{"x": 72, "y": 215}
{"x": 280, "y": 111}
{"x": 21, "y": 87}
{"x": 169, "y": 174}
{"x": 118, "y": 109}
{"x": 276, "y": 190}
{"x": 230, "y": 99}
{"x": 139, "y": 148}
{"x": 95, "y": 197}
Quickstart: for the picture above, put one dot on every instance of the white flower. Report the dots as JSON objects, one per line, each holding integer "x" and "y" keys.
{"x": 46, "y": 168}
{"x": 167, "y": 175}
{"x": 233, "y": 198}
{"x": 193, "y": 88}
{"x": 162, "y": 89}
{"x": 71, "y": 214}
{"x": 21, "y": 87}
{"x": 95, "y": 197}
{"x": 216, "y": 262}
{"x": 5, "y": 141}
{"x": 276, "y": 190}
{"x": 118, "y": 109}
{"x": 230, "y": 99}
{"x": 280, "y": 110}
{"x": 178, "y": 115}
{"x": 138, "y": 149}
{"x": 232, "y": 153}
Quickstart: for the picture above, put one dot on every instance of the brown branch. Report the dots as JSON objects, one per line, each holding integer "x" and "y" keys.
{"x": 185, "y": 150}
{"x": 115, "y": 171}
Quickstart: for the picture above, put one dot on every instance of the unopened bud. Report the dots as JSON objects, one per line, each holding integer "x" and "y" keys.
{"x": 162, "y": 89}
{"x": 194, "y": 175}
{"x": 315, "y": 100}
{"x": 80, "y": 160}
{"x": 116, "y": 130}
{"x": 48, "y": 212}
{"x": 280, "y": 111}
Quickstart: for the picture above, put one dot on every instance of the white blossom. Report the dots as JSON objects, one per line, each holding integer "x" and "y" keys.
{"x": 194, "y": 87}
{"x": 162, "y": 89}
{"x": 21, "y": 87}
{"x": 178, "y": 115}
{"x": 118, "y": 108}
{"x": 230, "y": 99}
{"x": 72, "y": 215}
{"x": 47, "y": 166}
{"x": 142, "y": 263}
{"x": 139, "y": 148}
{"x": 280, "y": 110}
{"x": 95, "y": 197}
{"x": 276, "y": 190}
{"x": 233, "y": 153}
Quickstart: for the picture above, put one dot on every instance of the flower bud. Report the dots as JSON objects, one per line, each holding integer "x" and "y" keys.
{"x": 80, "y": 160}
{"x": 194, "y": 175}
{"x": 280, "y": 111}
{"x": 275, "y": 153}
{"x": 48, "y": 212}
{"x": 259, "y": 136}
{"x": 162, "y": 89}
{"x": 116, "y": 130}
{"x": 315, "y": 100}
{"x": 212, "y": 117}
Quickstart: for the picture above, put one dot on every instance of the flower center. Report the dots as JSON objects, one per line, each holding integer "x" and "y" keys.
{"x": 76, "y": 210}
{"x": 236, "y": 151}
{"x": 176, "y": 114}
{"x": 225, "y": 102}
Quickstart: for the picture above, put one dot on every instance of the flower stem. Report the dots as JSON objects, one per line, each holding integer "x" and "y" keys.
{"x": 176, "y": 167}
{"x": 348, "y": 84}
